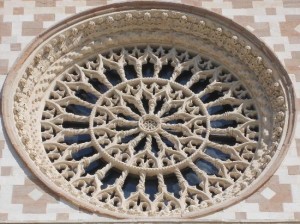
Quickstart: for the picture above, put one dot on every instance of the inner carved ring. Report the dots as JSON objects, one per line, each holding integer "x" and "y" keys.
{"x": 146, "y": 121}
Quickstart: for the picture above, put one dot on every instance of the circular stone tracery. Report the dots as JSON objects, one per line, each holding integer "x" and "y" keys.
{"x": 124, "y": 127}
{"x": 202, "y": 126}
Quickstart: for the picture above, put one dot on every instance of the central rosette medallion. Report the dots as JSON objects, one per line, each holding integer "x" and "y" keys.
{"x": 149, "y": 124}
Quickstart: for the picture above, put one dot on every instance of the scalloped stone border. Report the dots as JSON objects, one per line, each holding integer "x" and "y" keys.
{"x": 245, "y": 36}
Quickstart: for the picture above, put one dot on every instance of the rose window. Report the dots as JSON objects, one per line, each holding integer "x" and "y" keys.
{"x": 178, "y": 128}
{"x": 149, "y": 112}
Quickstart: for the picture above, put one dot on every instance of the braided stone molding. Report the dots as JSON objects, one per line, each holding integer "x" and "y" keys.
{"x": 160, "y": 110}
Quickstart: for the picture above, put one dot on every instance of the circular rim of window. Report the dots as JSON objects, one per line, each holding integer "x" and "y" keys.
{"x": 149, "y": 110}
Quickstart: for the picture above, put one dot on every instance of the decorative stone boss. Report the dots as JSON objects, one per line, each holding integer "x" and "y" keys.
{"x": 149, "y": 110}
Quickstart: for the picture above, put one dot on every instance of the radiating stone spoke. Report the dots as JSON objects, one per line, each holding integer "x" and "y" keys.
{"x": 73, "y": 100}
{"x": 177, "y": 128}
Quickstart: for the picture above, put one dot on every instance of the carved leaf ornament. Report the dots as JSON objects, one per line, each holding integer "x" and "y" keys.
{"x": 156, "y": 111}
